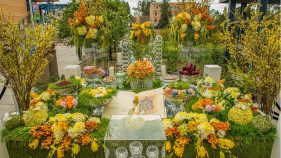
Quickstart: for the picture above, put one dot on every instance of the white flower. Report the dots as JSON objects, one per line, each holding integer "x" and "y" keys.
{"x": 196, "y": 25}
{"x": 94, "y": 119}
{"x": 184, "y": 27}
{"x": 197, "y": 17}
{"x": 167, "y": 123}
{"x": 221, "y": 133}
{"x": 90, "y": 19}
{"x": 77, "y": 78}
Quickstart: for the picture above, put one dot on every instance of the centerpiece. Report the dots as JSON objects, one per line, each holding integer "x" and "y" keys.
{"x": 93, "y": 75}
{"x": 208, "y": 87}
{"x": 141, "y": 75}
{"x": 189, "y": 73}
{"x": 176, "y": 95}
{"x": 98, "y": 97}
{"x": 66, "y": 87}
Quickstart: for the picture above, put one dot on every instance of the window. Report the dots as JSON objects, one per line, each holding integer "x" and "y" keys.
{"x": 172, "y": 7}
{"x": 155, "y": 14}
{"x": 177, "y": 7}
{"x": 176, "y": 14}
{"x": 155, "y": 20}
{"x": 156, "y": 7}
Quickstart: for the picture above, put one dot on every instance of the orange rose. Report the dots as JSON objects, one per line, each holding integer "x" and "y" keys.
{"x": 69, "y": 104}
{"x": 59, "y": 102}
{"x": 69, "y": 98}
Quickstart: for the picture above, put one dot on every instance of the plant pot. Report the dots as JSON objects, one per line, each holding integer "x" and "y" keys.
{"x": 142, "y": 83}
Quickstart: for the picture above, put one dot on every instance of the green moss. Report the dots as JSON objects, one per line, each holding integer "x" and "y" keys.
{"x": 13, "y": 122}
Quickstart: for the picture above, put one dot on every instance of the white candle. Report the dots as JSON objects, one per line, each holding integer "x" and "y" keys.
{"x": 111, "y": 71}
{"x": 163, "y": 70}
{"x": 119, "y": 58}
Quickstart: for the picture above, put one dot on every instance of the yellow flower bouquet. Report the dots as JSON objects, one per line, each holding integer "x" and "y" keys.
{"x": 142, "y": 33}
{"x": 88, "y": 28}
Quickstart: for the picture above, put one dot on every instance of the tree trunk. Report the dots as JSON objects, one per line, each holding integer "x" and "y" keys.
{"x": 110, "y": 53}
{"x": 266, "y": 103}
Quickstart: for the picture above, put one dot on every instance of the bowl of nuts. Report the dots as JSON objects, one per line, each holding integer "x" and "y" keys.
{"x": 93, "y": 74}
{"x": 109, "y": 81}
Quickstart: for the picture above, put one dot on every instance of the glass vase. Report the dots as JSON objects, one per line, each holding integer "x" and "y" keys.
{"x": 141, "y": 83}
{"x": 99, "y": 106}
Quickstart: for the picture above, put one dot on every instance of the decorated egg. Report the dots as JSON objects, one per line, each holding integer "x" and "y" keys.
{"x": 190, "y": 91}
{"x": 174, "y": 92}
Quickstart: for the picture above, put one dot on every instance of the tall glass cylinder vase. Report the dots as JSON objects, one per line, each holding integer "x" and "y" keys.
{"x": 196, "y": 56}
{"x": 142, "y": 83}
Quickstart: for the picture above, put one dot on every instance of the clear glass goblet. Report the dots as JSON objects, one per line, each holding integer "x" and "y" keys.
{"x": 152, "y": 151}
{"x": 136, "y": 148}
{"x": 121, "y": 152}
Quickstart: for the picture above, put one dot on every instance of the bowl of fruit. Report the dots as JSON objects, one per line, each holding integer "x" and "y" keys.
{"x": 189, "y": 73}
{"x": 92, "y": 74}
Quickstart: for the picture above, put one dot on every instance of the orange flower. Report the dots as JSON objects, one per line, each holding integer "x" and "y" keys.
{"x": 47, "y": 142}
{"x": 66, "y": 142}
{"x": 69, "y": 98}
{"x": 209, "y": 89}
{"x": 196, "y": 36}
{"x": 218, "y": 108}
{"x": 212, "y": 139}
{"x": 205, "y": 102}
{"x": 85, "y": 139}
{"x": 182, "y": 141}
{"x": 205, "y": 88}
{"x": 91, "y": 125}
{"x": 59, "y": 102}
{"x": 192, "y": 125}
{"x": 172, "y": 131}
{"x": 69, "y": 104}
{"x": 224, "y": 126}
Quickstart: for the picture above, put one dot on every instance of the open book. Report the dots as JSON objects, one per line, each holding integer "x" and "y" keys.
{"x": 150, "y": 102}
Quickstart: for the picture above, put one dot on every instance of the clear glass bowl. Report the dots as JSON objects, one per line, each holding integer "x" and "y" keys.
{"x": 73, "y": 91}
{"x": 93, "y": 78}
{"x": 99, "y": 106}
{"x": 208, "y": 90}
{"x": 189, "y": 78}
{"x": 110, "y": 84}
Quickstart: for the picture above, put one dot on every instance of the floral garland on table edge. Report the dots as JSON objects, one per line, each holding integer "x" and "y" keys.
{"x": 140, "y": 70}
{"x": 89, "y": 28}
{"x": 65, "y": 132}
{"x": 188, "y": 127}
{"x": 142, "y": 33}
{"x": 192, "y": 25}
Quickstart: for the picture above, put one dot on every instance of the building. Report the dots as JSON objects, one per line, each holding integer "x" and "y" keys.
{"x": 16, "y": 7}
{"x": 155, "y": 12}
{"x": 136, "y": 17}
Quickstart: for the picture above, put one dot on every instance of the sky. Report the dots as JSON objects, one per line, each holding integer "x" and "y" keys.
{"x": 133, "y": 3}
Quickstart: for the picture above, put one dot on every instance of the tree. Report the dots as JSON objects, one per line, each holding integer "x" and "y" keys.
{"x": 23, "y": 57}
{"x": 166, "y": 14}
{"x": 117, "y": 15}
{"x": 256, "y": 54}
{"x": 143, "y": 8}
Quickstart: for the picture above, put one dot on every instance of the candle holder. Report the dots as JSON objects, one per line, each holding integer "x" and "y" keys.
{"x": 121, "y": 152}
{"x": 120, "y": 75}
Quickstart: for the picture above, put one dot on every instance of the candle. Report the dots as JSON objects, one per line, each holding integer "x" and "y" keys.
{"x": 163, "y": 70}
{"x": 111, "y": 71}
{"x": 119, "y": 58}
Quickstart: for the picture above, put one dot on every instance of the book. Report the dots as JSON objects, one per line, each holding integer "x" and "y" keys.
{"x": 150, "y": 102}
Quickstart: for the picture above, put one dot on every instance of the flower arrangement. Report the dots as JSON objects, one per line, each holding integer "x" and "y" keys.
{"x": 98, "y": 95}
{"x": 240, "y": 114}
{"x": 69, "y": 102}
{"x": 88, "y": 28}
{"x": 178, "y": 92}
{"x": 64, "y": 132}
{"x": 188, "y": 127}
{"x": 140, "y": 70}
{"x": 207, "y": 105}
{"x": 208, "y": 87}
{"x": 142, "y": 33}
{"x": 192, "y": 24}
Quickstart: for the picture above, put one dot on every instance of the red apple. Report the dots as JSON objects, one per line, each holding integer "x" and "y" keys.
{"x": 181, "y": 71}
{"x": 193, "y": 67}
{"x": 197, "y": 72}
{"x": 190, "y": 64}
{"x": 193, "y": 73}
{"x": 184, "y": 67}
{"x": 186, "y": 72}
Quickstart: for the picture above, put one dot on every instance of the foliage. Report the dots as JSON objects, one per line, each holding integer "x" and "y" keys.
{"x": 166, "y": 14}
{"x": 256, "y": 54}
{"x": 118, "y": 17}
{"x": 40, "y": 87}
{"x": 171, "y": 54}
{"x": 165, "y": 33}
{"x": 180, "y": 85}
{"x": 262, "y": 123}
{"x": 14, "y": 121}
{"x": 23, "y": 57}
{"x": 64, "y": 30}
